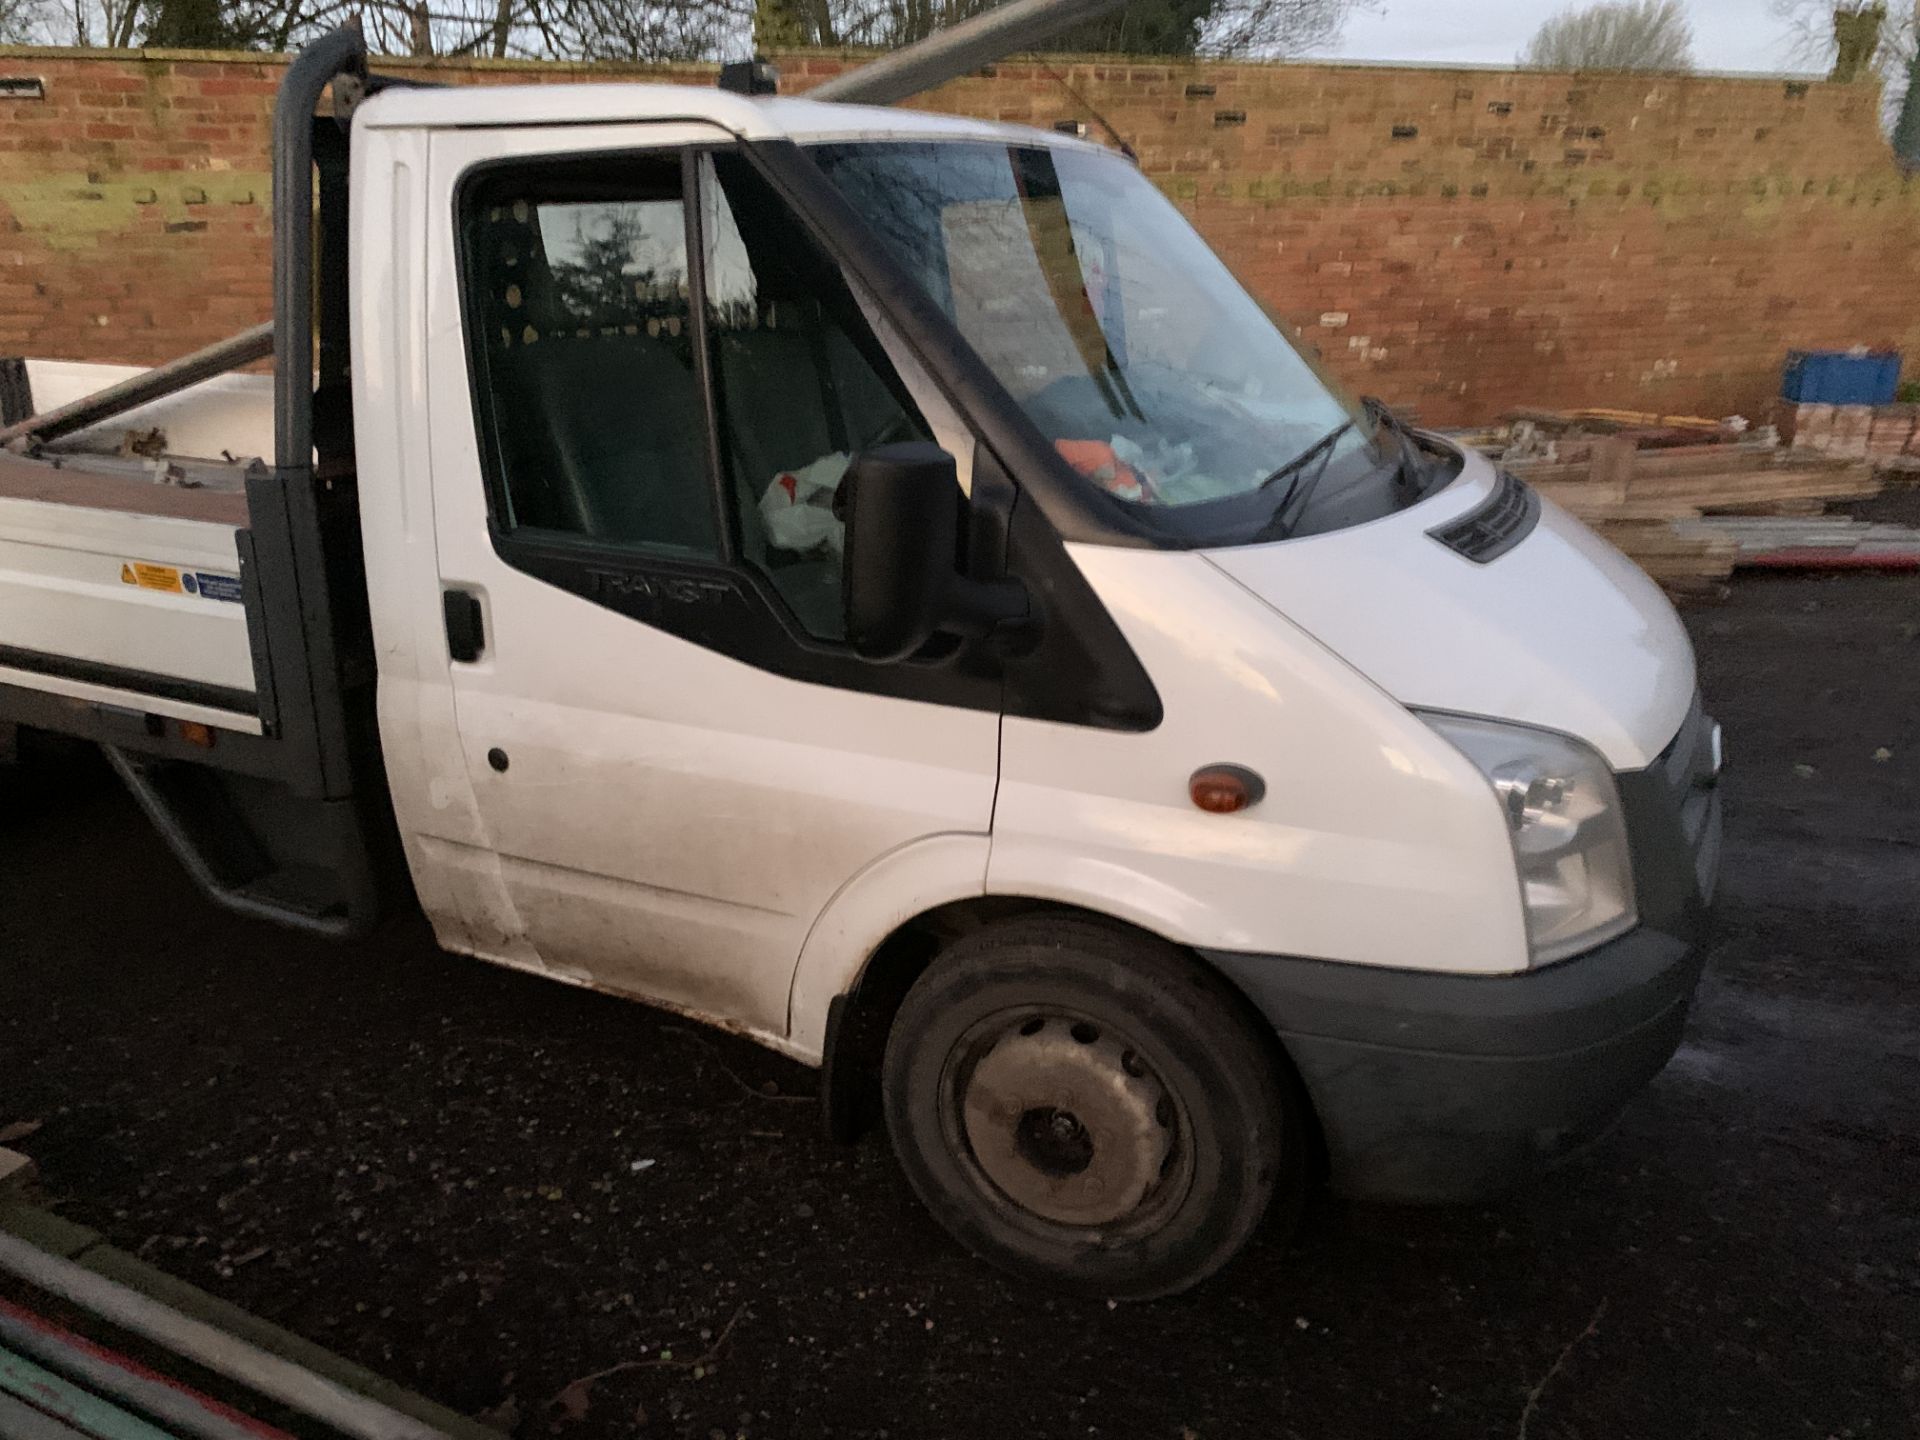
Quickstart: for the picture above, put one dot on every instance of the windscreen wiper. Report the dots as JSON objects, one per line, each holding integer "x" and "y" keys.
{"x": 1299, "y": 484}
{"x": 1305, "y": 458}
{"x": 1409, "y": 473}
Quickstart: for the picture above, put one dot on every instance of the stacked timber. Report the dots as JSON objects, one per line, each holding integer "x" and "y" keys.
{"x": 1639, "y": 484}
{"x": 1827, "y": 542}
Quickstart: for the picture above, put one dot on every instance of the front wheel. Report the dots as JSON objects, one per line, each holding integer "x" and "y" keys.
{"x": 1089, "y": 1107}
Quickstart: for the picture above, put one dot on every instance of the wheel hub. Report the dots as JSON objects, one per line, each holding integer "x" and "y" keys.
{"x": 1067, "y": 1121}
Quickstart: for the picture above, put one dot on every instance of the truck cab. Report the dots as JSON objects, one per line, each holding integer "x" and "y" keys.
{"x": 874, "y": 581}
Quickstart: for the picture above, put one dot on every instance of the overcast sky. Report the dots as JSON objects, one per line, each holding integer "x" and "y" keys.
{"x": 1727, "y": 34}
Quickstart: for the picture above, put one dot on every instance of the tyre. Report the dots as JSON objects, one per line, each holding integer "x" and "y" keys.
{"x": 1091, "y": 1108}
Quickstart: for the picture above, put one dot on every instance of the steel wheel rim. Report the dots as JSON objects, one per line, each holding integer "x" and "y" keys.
{"x": 1066, "y": 1125}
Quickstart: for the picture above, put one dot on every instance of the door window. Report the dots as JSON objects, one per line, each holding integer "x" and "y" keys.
{"x": 802, "y": 387}
{"x": 594, "y": 387}
{"x": 580, "y": 293}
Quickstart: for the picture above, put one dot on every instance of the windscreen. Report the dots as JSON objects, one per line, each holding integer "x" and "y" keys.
{"x": 1103, "y": 313}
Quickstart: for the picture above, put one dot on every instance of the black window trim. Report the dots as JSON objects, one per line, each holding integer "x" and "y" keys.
{"x": 636, "y": 554}
{"x": 693, "y": 201}
{"x": 629, "y": 576}
{"x": 1007, "y": 443}
{"x": 479, "y": 379}
{"x": 608, "y": 559}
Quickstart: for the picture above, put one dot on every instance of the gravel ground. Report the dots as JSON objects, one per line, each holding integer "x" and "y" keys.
{"x": 488, "y": 1186}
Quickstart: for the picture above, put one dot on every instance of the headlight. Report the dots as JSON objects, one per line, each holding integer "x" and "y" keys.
{"x": 1569, "y": 835}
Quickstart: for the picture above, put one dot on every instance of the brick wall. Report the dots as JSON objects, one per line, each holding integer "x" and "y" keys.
{"x": 1462, "y": 241}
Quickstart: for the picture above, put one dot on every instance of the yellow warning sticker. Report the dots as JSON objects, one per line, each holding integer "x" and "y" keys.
{"x": 150, "y": 577}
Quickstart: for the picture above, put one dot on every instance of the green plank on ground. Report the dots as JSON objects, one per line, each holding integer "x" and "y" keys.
{"x": 23, "y": 1422}
{"x": 87, "y": 1248}
{"x": 65, "y": 1401}
{"x": 45, "y": 1230}
{"x": 118, "y": 1266}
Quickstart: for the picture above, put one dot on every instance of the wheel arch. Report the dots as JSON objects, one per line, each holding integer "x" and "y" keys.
{"x": 942, "y": 876}
{"x": 860, "y": 1016}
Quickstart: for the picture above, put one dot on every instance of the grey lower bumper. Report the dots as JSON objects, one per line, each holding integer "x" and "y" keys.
{"x": 1439, "y": 1088}
{"x": 1446, "y": 1087}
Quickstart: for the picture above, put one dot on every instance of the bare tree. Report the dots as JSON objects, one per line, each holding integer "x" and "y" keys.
{"x": 20, "y": 21}
{"x": 652, "y": 30}
{"x": 1832, "y": 34}
{"x": 689, "y": 29}
{"x": 1630, "y": 35}
{"x": 80, "y": 22}
{"x": 702, "y": 29}
{"x": 1856, "y": 38}
{"x": 112, "y": 23}
{"x": 1273, "y": 27}
{"x": 1217, "y": 27}
{"x": 623, "y": 30}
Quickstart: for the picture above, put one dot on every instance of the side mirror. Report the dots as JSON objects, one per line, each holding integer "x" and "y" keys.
{"x": 902, "y": 584}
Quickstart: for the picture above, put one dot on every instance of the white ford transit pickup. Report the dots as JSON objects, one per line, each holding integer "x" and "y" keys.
{"x": 874, "y": 581}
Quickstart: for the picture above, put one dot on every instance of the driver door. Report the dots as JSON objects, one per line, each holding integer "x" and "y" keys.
{"x": 645, "y": 377}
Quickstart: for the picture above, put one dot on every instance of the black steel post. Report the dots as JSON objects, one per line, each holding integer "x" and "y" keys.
{"x": 341, "y": 52}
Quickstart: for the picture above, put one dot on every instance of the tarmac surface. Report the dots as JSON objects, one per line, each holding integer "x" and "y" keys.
{"x": 491, "y": 1187}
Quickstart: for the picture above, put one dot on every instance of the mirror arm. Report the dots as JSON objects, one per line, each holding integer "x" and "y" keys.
{"x": 982, "y": 609}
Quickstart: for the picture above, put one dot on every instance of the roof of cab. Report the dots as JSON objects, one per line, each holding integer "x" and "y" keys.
{"x": 750, "y": 118}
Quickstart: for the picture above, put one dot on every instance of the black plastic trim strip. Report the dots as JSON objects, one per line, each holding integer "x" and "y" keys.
{"x": 259, "y": 636}
{"x": 123, "y": 677}
{"x": 1587, "y": 999}
{"x": 735, "y": 610}
{"x": 1672, "y": 826}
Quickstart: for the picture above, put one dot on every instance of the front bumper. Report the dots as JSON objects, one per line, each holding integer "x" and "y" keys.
{"x": 1444, "y": 1088}
{"x": 1441, "y": 1088}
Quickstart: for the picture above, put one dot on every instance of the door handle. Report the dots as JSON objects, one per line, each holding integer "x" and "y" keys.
{"x": 466, "y": 632}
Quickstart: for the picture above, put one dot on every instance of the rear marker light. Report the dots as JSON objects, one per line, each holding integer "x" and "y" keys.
{"x": 1224, "y": 789}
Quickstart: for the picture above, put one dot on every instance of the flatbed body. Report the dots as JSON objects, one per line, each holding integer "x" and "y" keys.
{"x": 123, "y": 588}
